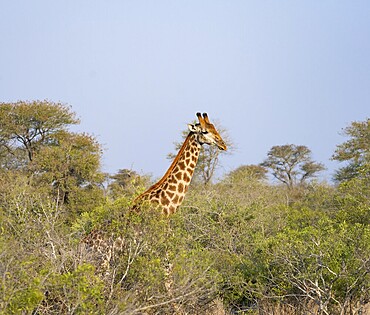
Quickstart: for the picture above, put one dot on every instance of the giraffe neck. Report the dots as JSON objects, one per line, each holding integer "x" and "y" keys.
{"x": 170, "y": 190}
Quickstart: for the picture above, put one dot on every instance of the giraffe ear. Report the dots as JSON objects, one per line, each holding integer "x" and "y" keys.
{"x": 192, "y": 127}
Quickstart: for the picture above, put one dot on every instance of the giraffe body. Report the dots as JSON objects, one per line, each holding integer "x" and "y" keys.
{"x": 102, "y": 248}
{"x": 168, "y": 193}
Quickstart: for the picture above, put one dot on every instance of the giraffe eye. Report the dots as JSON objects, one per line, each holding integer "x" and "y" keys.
{"x": 204, "y": 132}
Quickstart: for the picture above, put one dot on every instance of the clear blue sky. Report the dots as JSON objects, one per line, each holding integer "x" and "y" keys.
{"x": 136, "y": 72}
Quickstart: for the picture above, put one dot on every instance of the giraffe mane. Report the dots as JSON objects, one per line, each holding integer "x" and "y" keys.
{"x": 169, "y": 170}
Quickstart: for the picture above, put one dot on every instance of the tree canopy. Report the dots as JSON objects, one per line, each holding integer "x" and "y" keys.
{"x": 25, "y": 126}
{"x": 355, "y": 151}
{"x": 291, "y": 164}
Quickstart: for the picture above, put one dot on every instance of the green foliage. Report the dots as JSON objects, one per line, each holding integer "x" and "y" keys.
{"x": 20, "y": 288}
{"x": 323, "y": 262}
{"x": 78, "y": 291}
{"x": 27, "y": 125}
{"x": 245, "y": 172}
{"x": 126, "y": 183}
{"x": 70, "y": 167}
{"x": 354, "y": 200}
{"x": 239, "y": 246}
{"x": 35, "y": 145}
{"x": 355, "y": 151}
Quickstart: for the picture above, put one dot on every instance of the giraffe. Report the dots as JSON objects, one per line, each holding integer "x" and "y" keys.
{"x": 168, "y": 193}
{"x": 170, "y": 190}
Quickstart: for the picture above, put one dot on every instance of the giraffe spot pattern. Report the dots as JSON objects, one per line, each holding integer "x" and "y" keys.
{"x": 186, "y": 178}
{"x": 171, "y": 192}
{"x": 172, "y": 180}
{"x": 172, "y": 209}
{"x": 178, "y": 175}
{"x": 165, "y": 201}
{"x": 181, "y": 187}
{"x": 175, "y": 200}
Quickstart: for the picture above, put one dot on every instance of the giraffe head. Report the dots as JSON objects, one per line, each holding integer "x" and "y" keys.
{"x": 206, "y": 132}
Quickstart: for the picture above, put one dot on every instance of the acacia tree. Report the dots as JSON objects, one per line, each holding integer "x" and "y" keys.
{"x": 35, "y": 141}
{"x": 25, "y": 126}
{"x": 291, "y": 164}
{"x": 355, "y": 151}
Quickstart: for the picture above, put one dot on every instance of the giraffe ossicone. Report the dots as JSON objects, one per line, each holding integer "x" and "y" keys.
{"x": 170, "y": 190}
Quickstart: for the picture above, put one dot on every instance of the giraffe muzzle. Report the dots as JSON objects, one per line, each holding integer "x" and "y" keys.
{"x": 221, "y": 145}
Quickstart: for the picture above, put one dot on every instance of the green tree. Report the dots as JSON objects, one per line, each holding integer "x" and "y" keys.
{"x": 26, "y": 126}
{"x": 70, "y": 167}
{"x": 291, "y": 164}
{"x": 246, "y": 172}
{"x": 35, "y": 140}
{"x": 126, "y": 182}
{"x": 355, "y": 151}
